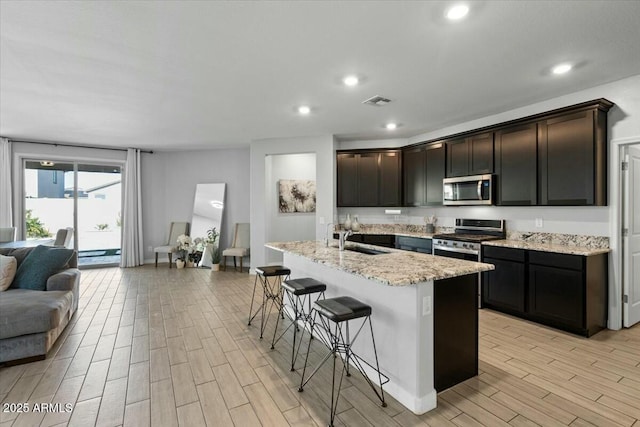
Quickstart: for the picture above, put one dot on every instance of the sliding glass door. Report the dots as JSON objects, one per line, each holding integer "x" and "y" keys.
{"x": 85, "y": 197}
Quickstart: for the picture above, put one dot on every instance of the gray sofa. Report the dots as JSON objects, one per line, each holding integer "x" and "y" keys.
{"x": 30, "y": 320}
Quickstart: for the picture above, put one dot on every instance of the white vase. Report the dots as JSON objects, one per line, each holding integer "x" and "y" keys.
{"x": 355, "y": 225}
{"x": 347, "y": 223}
{"x": 179, "y": 263}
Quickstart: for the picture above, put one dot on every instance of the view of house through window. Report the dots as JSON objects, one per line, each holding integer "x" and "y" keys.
{"x": 85, "y": 197}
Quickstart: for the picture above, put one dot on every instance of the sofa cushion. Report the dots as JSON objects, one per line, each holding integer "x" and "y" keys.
{"x": 39, "y": 265}
{"x": 23, "y": 311}
{"x": 8, "y": 267}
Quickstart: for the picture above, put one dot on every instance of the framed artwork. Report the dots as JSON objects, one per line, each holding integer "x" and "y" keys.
{"x": 297, "y": 195}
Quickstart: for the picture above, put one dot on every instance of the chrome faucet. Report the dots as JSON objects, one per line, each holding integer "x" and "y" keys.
{"x": 342, "y": 237}
{"x": 326, "y": 235}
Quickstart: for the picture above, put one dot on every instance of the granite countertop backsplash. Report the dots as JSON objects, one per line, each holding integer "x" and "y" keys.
{"x": 573, "y": 244}
{"x": 411, "y": 230}
{"x": 393, "y": 268}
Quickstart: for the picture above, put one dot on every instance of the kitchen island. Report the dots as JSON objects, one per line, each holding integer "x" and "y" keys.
{"x": 425, "y": 315}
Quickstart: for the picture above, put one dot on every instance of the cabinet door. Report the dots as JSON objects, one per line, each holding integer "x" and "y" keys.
{"x": 516, "y": 168}
{"x": 347, "y": 179}
{"x": 390, "y": 179}
{"x": 481, "y": 154}
{"x": 504, "y": 287}
{"x": 457, "y": 158}
{"x": 566, "y": 159}
{"x": 368, "y": 186}
{"x": 435, "y": 169}
{"x": 556, "y": 295}
{"x": 414, "y": 177}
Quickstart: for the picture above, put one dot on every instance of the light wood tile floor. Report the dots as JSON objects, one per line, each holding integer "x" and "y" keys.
{"x": 171, "y": 347}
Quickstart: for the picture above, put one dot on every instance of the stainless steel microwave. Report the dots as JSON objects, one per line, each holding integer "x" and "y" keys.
{"x": 468, "y": 190}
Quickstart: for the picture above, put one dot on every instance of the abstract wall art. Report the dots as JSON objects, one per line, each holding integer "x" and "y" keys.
{"x": 297, "y": 195}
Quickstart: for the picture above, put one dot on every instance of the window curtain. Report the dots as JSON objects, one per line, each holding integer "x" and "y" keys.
{"x": 132, "y": 245}
{"x": 6, "y": 214}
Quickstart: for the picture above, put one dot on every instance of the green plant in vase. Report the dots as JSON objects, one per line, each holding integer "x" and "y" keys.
{"x": 216, "y": 255}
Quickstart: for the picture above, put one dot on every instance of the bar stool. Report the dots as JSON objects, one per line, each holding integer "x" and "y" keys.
{"x": 271, "y": 291}
{"x": 340, "y": 310}
{"x": 299, "y": 292}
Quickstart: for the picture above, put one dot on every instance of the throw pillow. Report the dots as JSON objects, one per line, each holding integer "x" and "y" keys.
{"x": 39, "y": 265}
{"x": 8, "y": 266}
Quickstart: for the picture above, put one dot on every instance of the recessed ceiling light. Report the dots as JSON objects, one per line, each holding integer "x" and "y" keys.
{"x": 561, "y": 68}
{"x": 457, "y": 12}
{"x": 391, "y": 126}
{"x": 351, "y": 81}
{"x": 304, "y": 109}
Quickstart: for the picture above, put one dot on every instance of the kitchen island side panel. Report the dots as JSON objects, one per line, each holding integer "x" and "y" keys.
{"x": 403, "y": 330}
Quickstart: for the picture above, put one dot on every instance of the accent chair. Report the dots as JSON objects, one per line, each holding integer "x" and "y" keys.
{"x": 176, "y": 229}
{"x": 240, "y": 245}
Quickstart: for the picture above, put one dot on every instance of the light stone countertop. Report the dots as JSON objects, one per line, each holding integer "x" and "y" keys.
{"x": 395, "y": 268}
{"x": 547, "y": 247}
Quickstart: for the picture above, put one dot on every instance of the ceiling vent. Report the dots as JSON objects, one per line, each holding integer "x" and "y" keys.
{"x": 377, "y": 101}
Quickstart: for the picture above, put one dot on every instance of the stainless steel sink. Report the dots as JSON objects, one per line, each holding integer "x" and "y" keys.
{"x": 366, "y": 251}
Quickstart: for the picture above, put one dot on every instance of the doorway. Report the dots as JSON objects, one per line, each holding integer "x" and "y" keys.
{"x": 631, "y": 234}
{"x": 83, "y": 196}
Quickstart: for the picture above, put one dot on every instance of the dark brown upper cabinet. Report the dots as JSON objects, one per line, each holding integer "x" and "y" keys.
{"x": 368, "y": 178}
{"x": 472, "y": 155}
{"x": 423, "y": 170}
{"x": 414, "y": 176}
{"x": 556, "y": 158}
{"x": 516, "y": 166}
{"x": 572, "y": 159}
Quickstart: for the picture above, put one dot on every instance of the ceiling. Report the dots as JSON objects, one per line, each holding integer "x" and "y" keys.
{"x": 185, "y": 75}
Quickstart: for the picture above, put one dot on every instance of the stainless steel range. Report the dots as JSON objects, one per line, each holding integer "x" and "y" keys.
{"x": 464, "y": 242}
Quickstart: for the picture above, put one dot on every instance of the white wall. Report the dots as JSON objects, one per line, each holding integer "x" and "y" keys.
{"x": 284, "y": 227}
{"x": 324, "y": 149}
{"x": 169, "y": 183}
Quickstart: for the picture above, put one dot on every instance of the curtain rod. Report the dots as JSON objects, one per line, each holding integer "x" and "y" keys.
{"x": 62, "y": 144}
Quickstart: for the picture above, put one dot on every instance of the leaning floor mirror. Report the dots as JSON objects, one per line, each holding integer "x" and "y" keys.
{"x": 208, "y": 207}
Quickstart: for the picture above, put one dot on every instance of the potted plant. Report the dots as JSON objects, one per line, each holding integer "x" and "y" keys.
{"x": 216, "y": 254}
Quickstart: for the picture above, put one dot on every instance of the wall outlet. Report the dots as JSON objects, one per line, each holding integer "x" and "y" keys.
{"x": 426, "y": 306}
{"x": 539, "y": 223}
{"x": 149, "y": 248}
{"x": 321, "y": 220}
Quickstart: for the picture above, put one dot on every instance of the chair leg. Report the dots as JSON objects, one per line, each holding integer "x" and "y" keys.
{"x": 156, "y": 259}
{"x": 240, "y": 264}
{"x": 224, "y": 263}
{"x": 170, "y": 260}
{"x": 235, "y": 266}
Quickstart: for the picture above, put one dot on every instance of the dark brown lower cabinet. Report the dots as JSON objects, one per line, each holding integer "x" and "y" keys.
{"x": 455, "y": 330}
{"x": 504, "y": 287}
{"x": 568, "y": 292}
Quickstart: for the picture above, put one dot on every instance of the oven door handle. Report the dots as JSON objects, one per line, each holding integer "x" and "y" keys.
{"x": 458, "y": 250}
{"x": 479, "y": 189}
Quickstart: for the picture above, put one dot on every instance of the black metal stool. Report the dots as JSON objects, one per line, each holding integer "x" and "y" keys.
{"x": 299, "y": 292}
{"x": 271, "y": 291}
{"x": 340, "y": 310}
